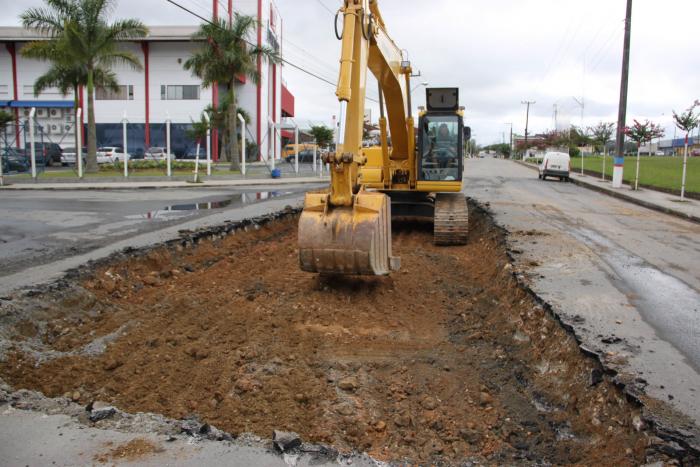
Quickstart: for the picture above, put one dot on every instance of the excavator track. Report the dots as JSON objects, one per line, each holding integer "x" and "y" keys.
{"x": 451, "y": 219}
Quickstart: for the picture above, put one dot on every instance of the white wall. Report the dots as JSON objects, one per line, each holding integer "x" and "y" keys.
{"x": 112, "y": 111}
{"x": 5, "y": 75}
{"x": 166, "y": 59}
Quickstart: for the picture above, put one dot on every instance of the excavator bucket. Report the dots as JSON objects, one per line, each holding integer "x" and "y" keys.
{"x": 347, "y": 240}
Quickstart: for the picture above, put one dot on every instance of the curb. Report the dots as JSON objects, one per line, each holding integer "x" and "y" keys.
{"x": 145, "y": 186}
{"x": 624, "y": 197}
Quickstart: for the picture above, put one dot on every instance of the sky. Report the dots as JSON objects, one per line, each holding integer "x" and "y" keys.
{"x": 498, "y": 52}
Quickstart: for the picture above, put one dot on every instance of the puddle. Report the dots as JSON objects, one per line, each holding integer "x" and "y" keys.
{"x": 181, "y": 210}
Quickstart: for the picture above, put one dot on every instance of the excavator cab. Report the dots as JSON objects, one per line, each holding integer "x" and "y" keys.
{"x": 441, "y": 137}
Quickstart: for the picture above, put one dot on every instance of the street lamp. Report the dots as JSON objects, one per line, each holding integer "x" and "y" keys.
{"x": 424, "y": 83}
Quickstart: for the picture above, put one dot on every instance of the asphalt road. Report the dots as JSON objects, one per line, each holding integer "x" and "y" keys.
{"x": 626, "y": 278}
{"x": 43, "y": 233}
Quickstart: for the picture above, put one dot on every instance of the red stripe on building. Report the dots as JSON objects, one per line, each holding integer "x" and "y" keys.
{"x": 274, "y": 106}
{"x": 147, "y": 95}
{"x": 81, "y": 104}
{"x": 215, "y": 97}
{"x": 259, "y": 74}
{"x": 13, "y": 55}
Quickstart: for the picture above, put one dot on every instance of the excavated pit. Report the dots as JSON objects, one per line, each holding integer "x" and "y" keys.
{"x": 448, "y": 360}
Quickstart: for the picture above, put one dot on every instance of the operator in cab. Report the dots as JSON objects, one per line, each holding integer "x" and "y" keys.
{"x": 440, "y": 150}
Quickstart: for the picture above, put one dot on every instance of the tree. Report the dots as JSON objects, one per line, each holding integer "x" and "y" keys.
{"x": 602, "y": 135}
{"x": 80, "y": 37}
{"x": 500, "y": 148}
{"x": 5, "y": 118}
{"x": 226, "y": 55}
{"x": 642, "y": 133}
{"x": 687, "y": 121}
{"x": 322, "y": 135}
{"x": 219, "y": 117}
{"x": 198, "y": 131}
{"x": 66, "y": 78}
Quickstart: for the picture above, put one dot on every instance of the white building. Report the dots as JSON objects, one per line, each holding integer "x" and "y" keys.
{"x": 162, "y": 90}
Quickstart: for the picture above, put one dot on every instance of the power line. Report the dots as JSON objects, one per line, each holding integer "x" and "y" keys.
{"x": 282, "y": 59}
{"x": 325, "y": 7}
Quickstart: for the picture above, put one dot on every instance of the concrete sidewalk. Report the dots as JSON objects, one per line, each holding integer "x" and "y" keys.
{"x": 148, "y": 184}
{"x": 651, "y": 199}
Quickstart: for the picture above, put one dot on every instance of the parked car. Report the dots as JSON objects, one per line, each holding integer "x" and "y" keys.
{"x": 555, "y": 164}
{"x": 14, "y": 160}
{"x": 68, "y": 156}
{"x": 137, "y": 154}
{"x": 156, "y": 154}
{"x": 191, "y": 154}
{"x": 290, "y": 149}
{"x": 26, "y": 155}
{"x": 304, "y": 156}
{"x": 110, "y": 155}
{"x": 49, "y": 153}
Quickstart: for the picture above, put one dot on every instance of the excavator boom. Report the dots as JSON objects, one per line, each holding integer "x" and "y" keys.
{"x": 347, "y": 229}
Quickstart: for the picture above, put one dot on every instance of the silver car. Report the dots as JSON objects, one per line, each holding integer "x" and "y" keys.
{"x": 68, "y": 157}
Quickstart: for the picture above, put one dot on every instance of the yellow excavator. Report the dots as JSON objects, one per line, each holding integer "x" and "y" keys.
{"x": 347, "y": 228}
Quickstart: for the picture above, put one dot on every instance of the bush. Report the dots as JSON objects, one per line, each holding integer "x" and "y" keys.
{"x": 148, "y": 165}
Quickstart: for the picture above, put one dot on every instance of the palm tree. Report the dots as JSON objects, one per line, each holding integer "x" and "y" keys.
{"x": 82, "y": 37}
{"x": 68, "y": 78}
{"x": 225, "y": 55}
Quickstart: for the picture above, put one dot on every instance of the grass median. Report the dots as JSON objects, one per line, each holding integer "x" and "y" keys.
{"x": 655, "y": 171}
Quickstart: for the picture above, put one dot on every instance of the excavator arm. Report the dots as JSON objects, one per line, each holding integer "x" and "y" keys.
{"x": 347, "y": 230}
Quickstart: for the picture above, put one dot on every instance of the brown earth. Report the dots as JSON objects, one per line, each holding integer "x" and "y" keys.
{"x": 130, "y": 451}
{"x": 446, "y": 360}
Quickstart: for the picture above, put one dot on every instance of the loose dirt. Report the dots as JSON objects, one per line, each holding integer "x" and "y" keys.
{"x": 446, "y": 361}
{"x": 130, "y": 451}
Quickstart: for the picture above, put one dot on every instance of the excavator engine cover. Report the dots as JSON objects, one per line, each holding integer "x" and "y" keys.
{"x": 347, "y": 239}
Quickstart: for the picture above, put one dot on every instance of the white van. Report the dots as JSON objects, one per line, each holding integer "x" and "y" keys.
{"x": 555, "y": 164}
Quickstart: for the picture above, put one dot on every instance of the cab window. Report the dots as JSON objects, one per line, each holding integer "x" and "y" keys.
{"x": 440, "y": 154}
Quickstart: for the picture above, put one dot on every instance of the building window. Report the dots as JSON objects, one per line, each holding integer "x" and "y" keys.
{"x": 179, "y": 92}
{"x": 125, "y": 93}
{"x": 4, "y": 89}
{"x": 28, "y": 90}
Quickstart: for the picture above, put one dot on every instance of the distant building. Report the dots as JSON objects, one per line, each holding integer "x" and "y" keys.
{"x": 162, "y": 90}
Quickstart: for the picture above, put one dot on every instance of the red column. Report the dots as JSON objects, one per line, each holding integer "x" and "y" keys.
{"x": 81, "y": 103}
{"x": 259, "y": 73}
{"x": 230, "y": 11}
{"x": 13, "y": 55}
{"x": 215, "y": 97}
{"x": 147, "y": 95}
{"x": 274, "y": 105}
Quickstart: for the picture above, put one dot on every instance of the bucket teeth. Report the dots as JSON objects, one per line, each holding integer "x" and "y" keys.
{"x": 346, "y": 240}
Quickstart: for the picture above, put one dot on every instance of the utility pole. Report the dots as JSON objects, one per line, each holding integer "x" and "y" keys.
{"x": 622, "y": 111}
{"x": 527, "y": 118}
{"x": 510, "y": 141}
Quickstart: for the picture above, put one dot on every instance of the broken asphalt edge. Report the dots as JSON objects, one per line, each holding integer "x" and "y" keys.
{"x": 633, "y": 392}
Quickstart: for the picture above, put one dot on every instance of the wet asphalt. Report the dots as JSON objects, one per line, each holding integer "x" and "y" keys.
{"x": 43, "y": 233}
{"x": 627, "y": 279}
